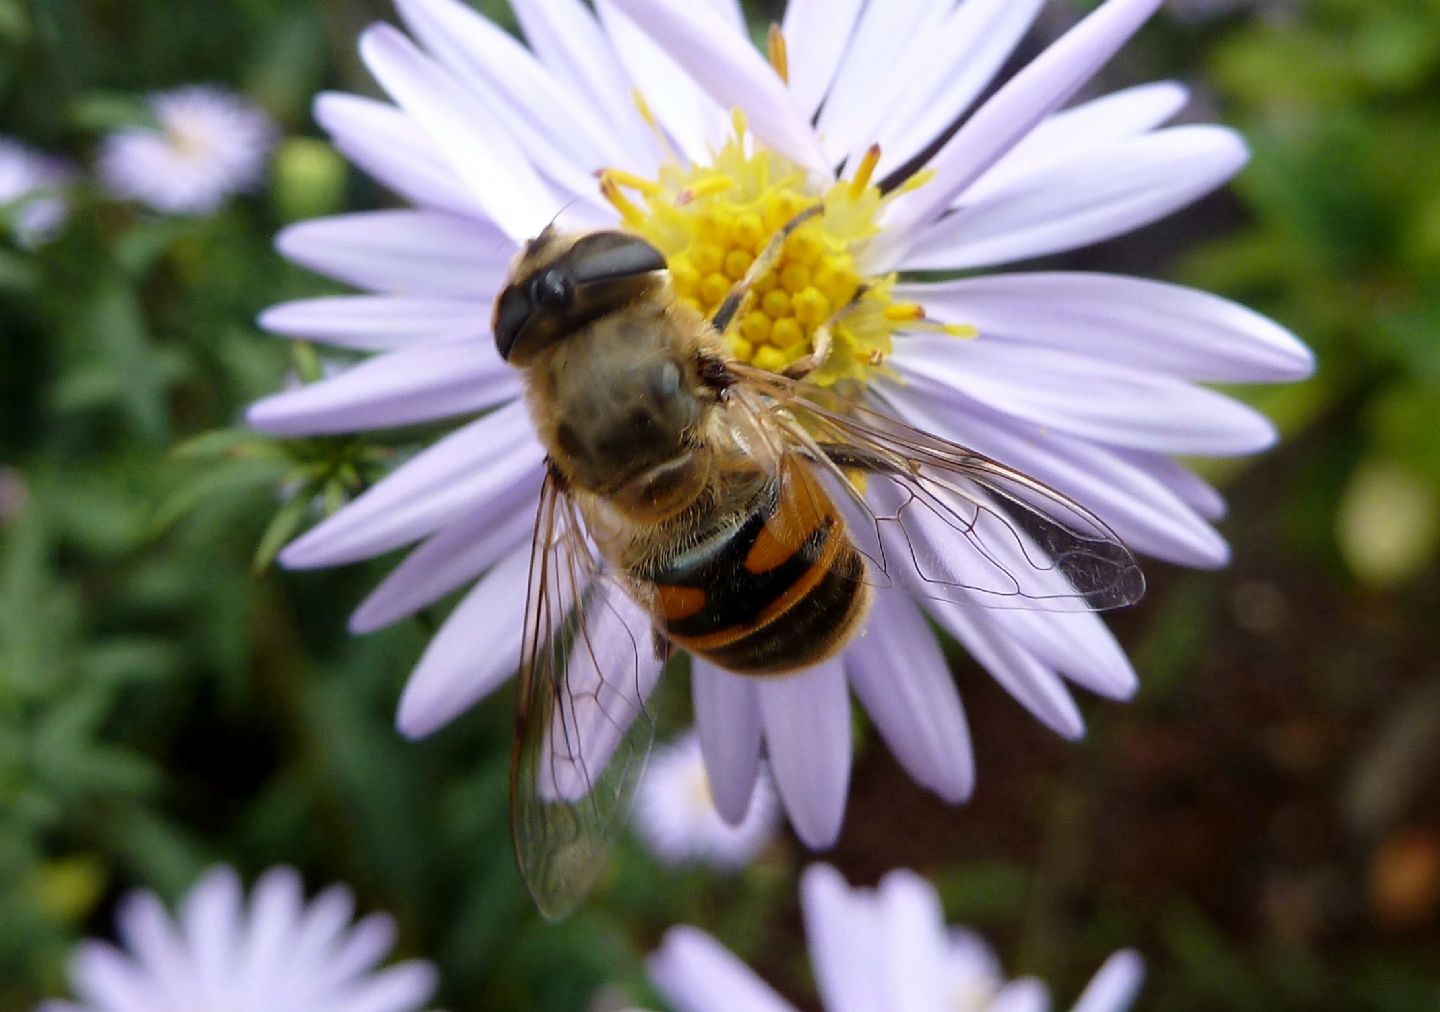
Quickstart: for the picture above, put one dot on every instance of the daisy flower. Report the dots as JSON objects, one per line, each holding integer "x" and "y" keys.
{"x": 676, "y": 817}
{"x": 274, "y": 953}
{"x": 882, "y": 948}
{"x": 661, "y": 117}
{"x": 30, "y": 192}
{"x": 207, "y": 144}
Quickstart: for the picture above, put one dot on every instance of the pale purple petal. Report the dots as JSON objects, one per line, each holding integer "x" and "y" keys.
{"x": 476, "y": 649}
{"x": 1147, "y": 324}
{"x": 394, "y": 151}
{"x": 560, "y": 138}
{"x": 379, "y": 322}
{"x": 210, "y": 918}
{"x": 398, "y": 988}
{"x": 1114, "y": 987}
{"x": 454, "y": 556}
{"x": 1104, "y": 193}
{"x": 1077, "y": 644}
{"x": 817, "y": 33}
{"x": 727, "y": 716}
{"x": 1083, "y": 128}
{"x": 946, "y": 70}
{"x": 729, "y": 68}
{"x": 571, "y": 43}
{"x": 870, "y": 78}
{"x": 403, "y": 252}
{"x": 1148, "y": 516}
{"x": 900, "y": 676}
{"x": 364, "y": 946}
{"x": 695, "y": 973}
{"x": 1194, "y": 491}
{"x": 1076, "y": 394}
{"x": 1021, "y": 103}
{"x": 1023, "y": 995}
{"x": 418, "y": 384}
{"x": 460, "y": 475}
{"x": 477, "y": 147}
{"x": 844, "y": 935}
{"x": 101, "y": 976}
{"x": 806, "y": 719}
{"x": 322, "y": 926}
{"x": 275, "y": 907}
{"x": 148, "y": 934}
{"x": 1033, "y": 684}
{"x": 607, "y": 680}
{"x": 690, "y": 117}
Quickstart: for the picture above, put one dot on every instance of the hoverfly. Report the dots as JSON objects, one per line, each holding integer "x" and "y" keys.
{"x": 698, "y": 501}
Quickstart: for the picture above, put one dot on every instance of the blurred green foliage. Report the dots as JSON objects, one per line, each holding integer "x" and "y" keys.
{"x": 166, "y": 701}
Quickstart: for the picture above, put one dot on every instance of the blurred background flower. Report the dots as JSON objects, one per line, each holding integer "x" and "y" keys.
{"x": 676, "y": 817}
{"x": 205, "y": 146}
{"x": 32, "y": 205}
{"x": 1261, "y": 820}
{"x": 274, "y": 953}
{"x": 881, "y": 948}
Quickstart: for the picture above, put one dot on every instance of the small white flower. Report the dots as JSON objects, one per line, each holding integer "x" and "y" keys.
{"x": 872, "y": 949}
{"x": 275, "y": 954}
{"x": 208, "y": 145}
{"x": 30, "y": 191}
{"x": 675, "y": 812}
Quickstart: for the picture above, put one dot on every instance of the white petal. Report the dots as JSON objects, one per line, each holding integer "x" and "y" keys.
{"x": 897, "y": 670}
{"x": 403, "y": 252}
{"x": 1103, "y": 401}
{"x": 1097, "y": 196}
{"x": 150, "y": 937}
{"x": 731, "y": 71}
{"x": 1025, "y": 994}
{"x": 393, "y": 150}
{"x": 561, "y": 139}
{"x": 1021, "y": 103}
{"x": 1086, "y": 127}
{"x": 364, "y": 946}
{"x": 1114, "y": 987}
{"x": 871, "y": 77}
{"x": 946, "y": 70}
{"x": 727, "y": 716}
{"x": 379, "y": 322}
{"x": 606, "y": 684}
{"x": 1146, "y": 324}
{"x": 476, "y": 649}
{"x": 806, "y": 717}
{"x": 461, "y": 475}
{"x": 454, "y": 557}
{"x": 402, "y": 387}
{"x": 103, "y": 977}
{"x": 1033, "y": 684}
{"x": 566, "y": 36}
{"x": 478, "y": 148}
{"x": 1149, "y": 517}
{"x": 692, "y": 119}
{"x": 695, "y": 973}
{"x": 275, "y": 906}
{"x": 817, "y": 33}
{"x": 844, "y": 935}
{"x": 914, "y": 939}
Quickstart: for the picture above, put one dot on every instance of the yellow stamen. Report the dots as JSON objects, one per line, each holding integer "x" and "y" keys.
{"x": 864, "y": 172}
{"x": 904, "y": 312}
{"x": 648, "y": 115}
{"x": 706, "y": 187}
{"x": 630, "y": 181}
{"x": 916, "y": 181}
{"x": 629, "y": 213}
{"x": 779, "y": 58}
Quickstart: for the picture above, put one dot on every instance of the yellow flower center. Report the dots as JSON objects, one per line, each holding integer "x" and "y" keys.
{"x": 712, "y": 220}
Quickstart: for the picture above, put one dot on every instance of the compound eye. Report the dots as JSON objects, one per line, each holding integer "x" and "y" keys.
{"x": 552, "y": 289}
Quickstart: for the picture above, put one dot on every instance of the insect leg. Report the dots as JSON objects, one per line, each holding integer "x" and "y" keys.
{"x": 823, "y": 338}
{"x": 763, "y": 263}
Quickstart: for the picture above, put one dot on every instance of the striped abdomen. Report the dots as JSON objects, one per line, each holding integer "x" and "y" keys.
{"x": 781, "y": 590}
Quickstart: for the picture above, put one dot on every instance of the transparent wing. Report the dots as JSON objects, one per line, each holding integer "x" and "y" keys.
{"x": 933, "y": 517}
{"x": 589, "y": 659}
